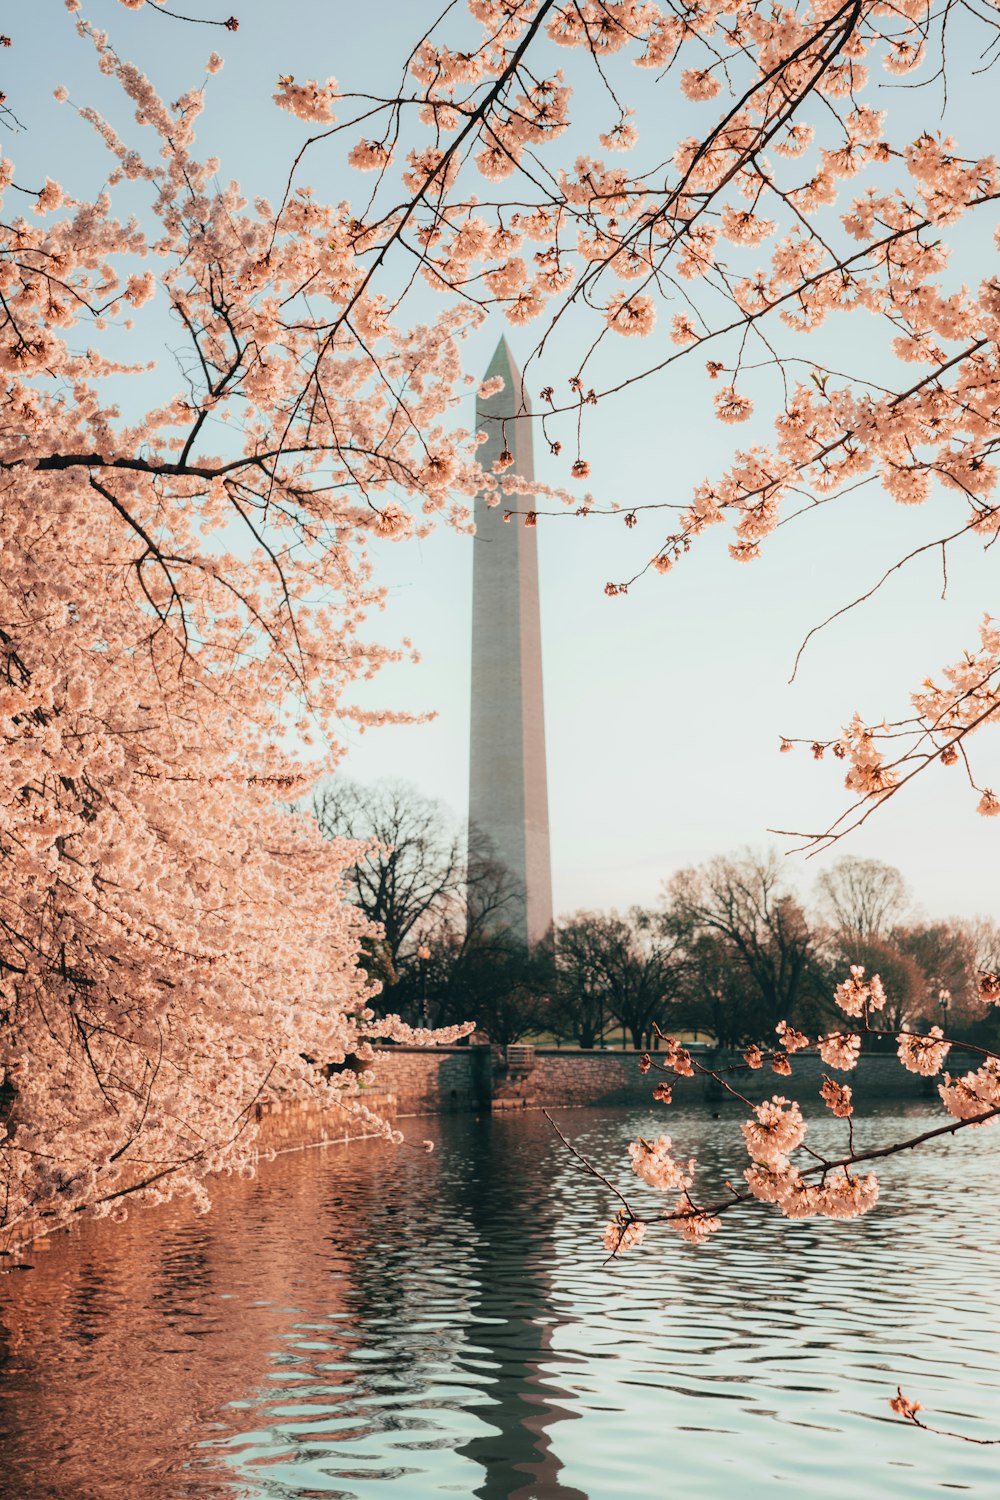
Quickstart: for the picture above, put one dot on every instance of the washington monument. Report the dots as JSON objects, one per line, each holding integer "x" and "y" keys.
{"x": 508, "y": 796}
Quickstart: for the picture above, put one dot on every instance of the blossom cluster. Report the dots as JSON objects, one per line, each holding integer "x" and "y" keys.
{"x": 841, "y": 1196}
{"x": 776, "y": 1129}
{"x": 857, "y": 995}
{"x": 623, "y": 1234}
{"x": 840, "y": 1050}
{"x": 923, "y": 1053}
{"x": 975, "y": 1094}
{"x": 813, "y": 1185}
{"x": 653, "y": 1163}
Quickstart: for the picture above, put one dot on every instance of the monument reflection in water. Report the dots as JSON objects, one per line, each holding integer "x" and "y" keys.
{"x": 367, "y": 1323}
{"x": 316, "y": 1326}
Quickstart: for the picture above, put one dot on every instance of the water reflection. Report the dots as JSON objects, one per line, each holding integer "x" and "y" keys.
{"x": 515, "y": 1216}
{"x": 362, "y": 1323}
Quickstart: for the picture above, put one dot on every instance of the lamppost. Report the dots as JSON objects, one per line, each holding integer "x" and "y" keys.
{"x": 944, "y": 1001}
{"x": 423, "y": 954}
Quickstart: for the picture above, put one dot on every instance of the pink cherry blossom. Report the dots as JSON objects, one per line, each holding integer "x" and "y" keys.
{"x": 840, "y": 1050}
{"x": 855, "y": 994}
{"x": 791, "y": 1040}
{"x": 651, "y": 1160}
{"x": 923, "y": 1053}
{"x": 693, "y": 1225}
{"x": 623, "y": 1234}
{"x": 777, "y": 1129}
{"x": 837, "y": 1098}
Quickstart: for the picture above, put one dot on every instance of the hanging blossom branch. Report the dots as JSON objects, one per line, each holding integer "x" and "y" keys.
{"x": 793, "y": 169}
{"x": 798, "y": 170}
{"x": 904, "y": 1407}
{"x": 784, "y": 1172}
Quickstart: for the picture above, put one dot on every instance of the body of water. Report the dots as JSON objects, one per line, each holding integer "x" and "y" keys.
{"x": 371, "y": 1324}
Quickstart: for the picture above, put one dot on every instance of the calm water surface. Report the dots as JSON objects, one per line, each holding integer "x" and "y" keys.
{"x": 377, "y": 1325}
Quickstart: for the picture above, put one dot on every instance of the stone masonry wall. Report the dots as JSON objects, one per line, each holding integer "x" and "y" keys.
{"x": 612, "y": 1079}
{"x": 564, "y": 1078}
{"x": 435, "y": 1080}
{"x": 443, "y": 1079}
{"x": 877, "y": 1076}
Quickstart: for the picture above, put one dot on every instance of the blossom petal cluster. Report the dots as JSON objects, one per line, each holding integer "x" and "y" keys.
{"x": 727, "y": 210}
{"x": 623, "y": 1234}
{"x": 776, "y": 1129}
{"x": 856, "y": 994}
{"x": 840, "y": 1050}
{"x": 791, "y": 1040}
{"x": 923, "y": 1053}
{"x": 977, "y": 1093}
{"x": 652, "y": 1161}
{"x": 694, "y": 1225}
{"x": 839, "y": 1196}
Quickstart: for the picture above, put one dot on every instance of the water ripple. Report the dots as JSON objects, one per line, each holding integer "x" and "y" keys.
{"x": 370, "y": 1326}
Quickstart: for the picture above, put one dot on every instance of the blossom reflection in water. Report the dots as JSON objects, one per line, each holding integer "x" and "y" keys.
{"x": 360, "y": 1322}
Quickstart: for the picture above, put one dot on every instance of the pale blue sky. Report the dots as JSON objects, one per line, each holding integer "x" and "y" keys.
{"x": 663, "y": 709}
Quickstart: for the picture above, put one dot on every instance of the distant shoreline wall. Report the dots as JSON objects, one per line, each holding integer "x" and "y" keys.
{"x": 435, "y": 1080}
{"x": 440, "y": 1080}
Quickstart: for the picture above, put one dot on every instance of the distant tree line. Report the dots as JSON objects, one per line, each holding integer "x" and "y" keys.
{"x": 728, "y": 951}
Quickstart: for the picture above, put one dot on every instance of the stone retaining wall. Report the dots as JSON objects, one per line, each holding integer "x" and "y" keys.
{"x": 877, "y": 1076}
{"x": 562, "y": 1077}
{"x": 435, "y": 1080}
{"x": 441, "y": 1079}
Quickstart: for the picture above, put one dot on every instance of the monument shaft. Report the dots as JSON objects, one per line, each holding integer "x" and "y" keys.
{"x": 508, "y": 795}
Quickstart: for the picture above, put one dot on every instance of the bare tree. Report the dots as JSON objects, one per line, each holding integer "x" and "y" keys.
{"x": 581, "y": 992}
{"x": 984, "y": 935}
{"x": 744, "y": 901}
{"x": 503, "y": 987}
{"x": 615, "y": 968}
{"x": 446, "y": 948}
{"x": 863, "y": 899}
{"x": 411, "y": 872}
{"x": 643, "y": 964}
{"x": 494, "y": 897}
{"x": 461, "y": 961}
{"x": 946, "y": 954}
{"x": 715, "y": 993}
{"x": 474, "y": 967}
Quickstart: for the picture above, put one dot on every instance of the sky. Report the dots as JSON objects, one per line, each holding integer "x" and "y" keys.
{"x": 664, "y": 708}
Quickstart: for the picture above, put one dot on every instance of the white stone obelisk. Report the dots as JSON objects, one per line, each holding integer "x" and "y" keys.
{"x": 508, "y": 795}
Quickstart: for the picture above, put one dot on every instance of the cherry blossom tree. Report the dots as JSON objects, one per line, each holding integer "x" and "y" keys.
{"x": 185, "y": 586}
{"x": 181, "y": 617}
